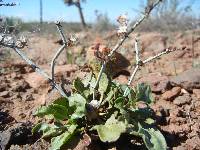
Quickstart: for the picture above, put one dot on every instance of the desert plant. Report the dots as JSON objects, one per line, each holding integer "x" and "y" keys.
{"x": 113, "y": 110}
{"x": 114, "y": 114}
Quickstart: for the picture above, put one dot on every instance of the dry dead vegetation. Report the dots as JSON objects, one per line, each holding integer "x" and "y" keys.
{"x": 174, "y": 80}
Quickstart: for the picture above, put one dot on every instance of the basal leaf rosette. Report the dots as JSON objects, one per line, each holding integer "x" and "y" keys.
{"x": 110, "y": 114}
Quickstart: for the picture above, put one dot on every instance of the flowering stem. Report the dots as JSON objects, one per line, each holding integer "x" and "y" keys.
{"x": 59, "y": 27}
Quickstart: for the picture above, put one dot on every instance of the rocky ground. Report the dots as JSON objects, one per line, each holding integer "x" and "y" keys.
{"x": 174, "y": 79}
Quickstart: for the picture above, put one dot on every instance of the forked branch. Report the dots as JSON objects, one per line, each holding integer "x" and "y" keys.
{"x": 53, "y": 62}
{"x": 140, "y": 63}
{"x": 8, "y": 41}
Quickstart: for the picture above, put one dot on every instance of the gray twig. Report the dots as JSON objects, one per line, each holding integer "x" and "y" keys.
{"x": 140, "y": 63}
{"x": 12, "y": 44}
{"x": 158, "y": 55}
{"x": 116, "y": 47}
{"x": 137, "y": 57}
{"x": 53, "y": 62}
{"x": 39, "y": 70}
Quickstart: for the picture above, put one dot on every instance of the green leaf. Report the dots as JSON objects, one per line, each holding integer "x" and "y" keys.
{"x": 62, "y": 101}
{"x": 92, "y": 84}
{"x": 112, "y": 130}
{"x": 78, "y": 85}
{"x": 80, "y": 88}
{"x": 78, "y": 102}
{"x": 103, "y": 84}
{"x": 62, "y": 139}
{"x": 153, "y": 139}
{"x": 141, "y": 114}
{"x": 59, "y": 112}
{"x": 143, "y": 93}
{"x": 47, "y": 130}
{"x": 112, "y": 94}
{"x": 119, "y": 103}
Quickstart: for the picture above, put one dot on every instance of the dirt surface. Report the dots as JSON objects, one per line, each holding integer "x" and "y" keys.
{"x": 174, "y": 80}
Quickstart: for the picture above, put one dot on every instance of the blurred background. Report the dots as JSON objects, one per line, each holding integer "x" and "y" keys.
{"x": 28, "y": 15}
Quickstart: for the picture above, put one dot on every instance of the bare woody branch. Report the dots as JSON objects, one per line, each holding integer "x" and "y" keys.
{"x": 8, "y": 41}
{"x": 53, "y": 62}
{"x": 39, "y": 70}
{"x": 121, "y": 41}
{"x": 140, "y": 63}
{"x": 166, "y": 51}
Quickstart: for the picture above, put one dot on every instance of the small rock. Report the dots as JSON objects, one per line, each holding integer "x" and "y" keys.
{"x": 196, "y": 92}
{"x": 183, "y": 91}
{"x": 169, "y": 95}
{"x": 41, "y": 100}
{"x": 14, "y": 75}
{"x": 164, "y": 112}
{"x": 27, "y": 97}
{"x": 5, "y": 94}
{"x": 181, "y": 100}
{"x": 28, "y": 69}
{"x": 4, "y": 139}
{"x": 3, "y": 87}
{"x": 20, "y": 86}
{"x": 188, "y": 80}
{"x": 16, "y": 96}
{"x": 22, "y": 115}
{"x": 20, "y": 133}
{"x": 35, "y": 80}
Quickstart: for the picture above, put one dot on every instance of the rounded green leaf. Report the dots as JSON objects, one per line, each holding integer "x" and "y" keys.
{"x": 78, "y": 102}
{"x": 111, "y": 131}
{"x": 62, "y": 139}
{"x": 153, "y": 138}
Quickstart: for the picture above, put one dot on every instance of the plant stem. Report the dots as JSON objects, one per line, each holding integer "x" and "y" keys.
{"x": 137, "y": 57}
{"x": 39, "y": 70}
{"x": 59, "y": 27}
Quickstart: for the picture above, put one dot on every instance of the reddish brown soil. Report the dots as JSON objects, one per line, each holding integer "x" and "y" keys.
{"x": 22, "y": 90}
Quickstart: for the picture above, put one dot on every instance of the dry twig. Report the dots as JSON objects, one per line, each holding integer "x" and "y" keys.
{"x": 8, "y": 41}
{"x": 59, "y": 27}
{"x": 140, "y": 63}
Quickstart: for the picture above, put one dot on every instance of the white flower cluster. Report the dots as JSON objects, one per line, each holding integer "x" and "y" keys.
{"x": 10, "y": 41}
{"x": 123, "y": 25}
{"x": 73, "y": 40}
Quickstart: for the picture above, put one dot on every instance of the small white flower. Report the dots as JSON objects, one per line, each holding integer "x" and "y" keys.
{"x": 23, "y": 39}
{"x": 123, "y": 25}
{"x": 95, "y": 103}
{"x": 73, "y": 39}
{"x": 8, "y": 40}
{"x": 122, "y": 30}
{"x": 1, "y": 37}
{"x": 122, "y": 19}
